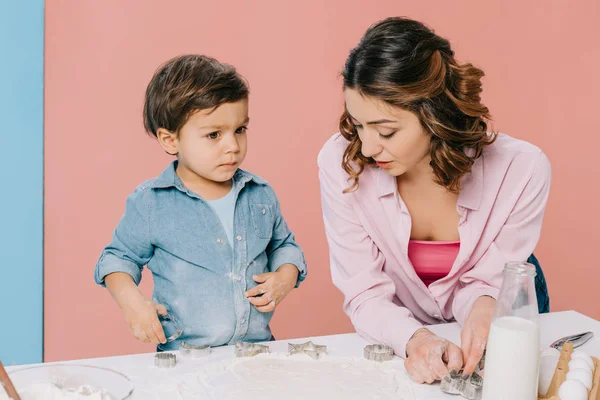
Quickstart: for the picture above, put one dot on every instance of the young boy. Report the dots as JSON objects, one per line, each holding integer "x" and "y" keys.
{"x": 221, "y": 255}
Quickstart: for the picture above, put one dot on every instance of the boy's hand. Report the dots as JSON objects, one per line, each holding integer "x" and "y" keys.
{"x": 273, "y": 286}
{"x": 141, "y": 314}
{"x": 142, "y": 317}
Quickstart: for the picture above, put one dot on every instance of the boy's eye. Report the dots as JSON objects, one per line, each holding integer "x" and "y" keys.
{"x": 241, "y": 129}
{"x": 213, "y": 135}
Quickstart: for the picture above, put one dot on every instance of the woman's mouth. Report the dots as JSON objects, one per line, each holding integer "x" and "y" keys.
{"x": 384, "y": 164}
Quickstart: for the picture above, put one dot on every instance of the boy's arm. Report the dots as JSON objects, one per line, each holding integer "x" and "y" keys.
{"x": 120, "y": 270}
{"x": 283, "y": 249}
{"x": 131, "y": 247}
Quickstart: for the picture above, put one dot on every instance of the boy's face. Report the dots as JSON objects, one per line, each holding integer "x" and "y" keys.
{"x": 211, "y": 145}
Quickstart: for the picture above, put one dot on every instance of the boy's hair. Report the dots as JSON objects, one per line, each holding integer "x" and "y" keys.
{"x": 186, "y": 84}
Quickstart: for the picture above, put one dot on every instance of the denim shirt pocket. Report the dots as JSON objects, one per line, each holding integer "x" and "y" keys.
{"x": 263, "y": 219}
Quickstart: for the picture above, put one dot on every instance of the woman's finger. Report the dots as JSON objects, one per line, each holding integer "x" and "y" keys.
{"x": 477, "y": 349}
{"x": 454, "y": 357}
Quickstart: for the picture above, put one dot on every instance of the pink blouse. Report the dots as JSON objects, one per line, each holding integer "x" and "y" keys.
{"x": 501, "y": 206}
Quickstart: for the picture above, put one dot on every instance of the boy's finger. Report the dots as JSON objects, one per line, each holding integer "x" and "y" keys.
{"x": 268, "y": 308}
{"x": 162, "y": 310}
{"x": 256, "y": 291}
{"x": 261, "y": 301}
{"x": 262, "y": 277}
{"x": 159, "y": 331}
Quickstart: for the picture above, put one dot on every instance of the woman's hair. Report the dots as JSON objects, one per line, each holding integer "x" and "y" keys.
{"x": 405, "y": 64}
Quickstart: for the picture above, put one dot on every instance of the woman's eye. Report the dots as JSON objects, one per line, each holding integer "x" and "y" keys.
{"x": 387, "y": 136}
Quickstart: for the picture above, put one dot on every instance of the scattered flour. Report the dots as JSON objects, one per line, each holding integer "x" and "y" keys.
{"x": 278, "y": 376}
{"x": 48, "y": 391}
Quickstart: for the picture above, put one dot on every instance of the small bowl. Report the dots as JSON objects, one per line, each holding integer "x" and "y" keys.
{"x": 74, "y": 376}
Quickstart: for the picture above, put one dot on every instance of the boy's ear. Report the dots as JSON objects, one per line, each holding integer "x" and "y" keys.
{"x": 168, "y": 141}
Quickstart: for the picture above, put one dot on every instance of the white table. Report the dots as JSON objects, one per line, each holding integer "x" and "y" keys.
{"x": 140, "y": 367}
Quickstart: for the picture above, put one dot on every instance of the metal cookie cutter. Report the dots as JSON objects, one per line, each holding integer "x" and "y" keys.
{"x": 378, "y": 352}
{"x": 165, "y": 360}
{"x": 470, "y": 388}
{"x": 308, "y": 348}
{"x": 170, "y": 327}
{"x": 193, "y": 351}
{"x": 246, "y": 349}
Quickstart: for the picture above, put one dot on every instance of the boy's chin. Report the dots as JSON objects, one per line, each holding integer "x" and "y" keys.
{"x": 223, "y": 177}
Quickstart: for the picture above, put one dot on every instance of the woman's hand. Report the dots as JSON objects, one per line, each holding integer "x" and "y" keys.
{"x": 475, "y": 332}
{"x": 430, "y": 357}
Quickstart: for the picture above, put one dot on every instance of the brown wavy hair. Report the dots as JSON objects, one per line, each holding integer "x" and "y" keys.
{"x": 405, "y": 64}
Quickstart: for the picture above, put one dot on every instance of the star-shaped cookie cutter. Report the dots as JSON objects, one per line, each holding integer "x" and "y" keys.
{"x": 378, "y": 352}
{"x": 308, "y": 348}
{"x": 246, "y": 349}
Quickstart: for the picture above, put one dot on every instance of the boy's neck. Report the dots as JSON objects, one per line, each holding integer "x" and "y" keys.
{"x": 205, "y": 188}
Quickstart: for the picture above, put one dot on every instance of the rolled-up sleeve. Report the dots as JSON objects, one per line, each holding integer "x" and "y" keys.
{"x": 515, "y": 241}
{"x": 283, "y": 249}
{"x": 357, "y": 264}
{"x": 130, "y": 248}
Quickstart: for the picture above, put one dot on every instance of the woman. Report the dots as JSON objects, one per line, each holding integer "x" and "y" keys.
{"x": 423, "y": 205}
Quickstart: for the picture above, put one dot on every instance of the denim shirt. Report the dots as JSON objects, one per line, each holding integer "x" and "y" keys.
{"x": 198, "y": 276}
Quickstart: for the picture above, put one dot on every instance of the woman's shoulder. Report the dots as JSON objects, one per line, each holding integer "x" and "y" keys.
{"x": 332, "y": 151}
{"x": 510, "y": 153}
{"x": 508, "y": 146}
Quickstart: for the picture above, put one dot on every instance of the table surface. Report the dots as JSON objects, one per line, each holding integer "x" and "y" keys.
{"x": 148, "y": 379}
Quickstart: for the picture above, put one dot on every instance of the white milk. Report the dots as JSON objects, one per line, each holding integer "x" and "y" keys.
{"x": 512, "y": 360}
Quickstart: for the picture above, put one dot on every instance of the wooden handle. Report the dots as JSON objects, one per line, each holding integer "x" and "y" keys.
{"x": 595, "y": 392}
{"x": 8, "y": 385}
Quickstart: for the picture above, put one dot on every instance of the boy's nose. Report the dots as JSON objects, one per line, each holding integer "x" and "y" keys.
{"x": 232, "y": 145}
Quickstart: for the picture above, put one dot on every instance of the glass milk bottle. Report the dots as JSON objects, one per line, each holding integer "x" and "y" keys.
{"x": 513, "y": 348}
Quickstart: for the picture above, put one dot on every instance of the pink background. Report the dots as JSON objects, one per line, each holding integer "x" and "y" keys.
{"x": 541, "y": 60}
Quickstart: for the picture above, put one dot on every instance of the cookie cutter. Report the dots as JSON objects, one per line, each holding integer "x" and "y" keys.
{"x": 170, "y": 327}
{"x": 378, "y": 352}
{"x": 470, "y": 387}
{"x": 165, "y": 360}
{"x": 308, "y": 348}
{"x": 246, "y": 349}
{"x": 193, "y": 351}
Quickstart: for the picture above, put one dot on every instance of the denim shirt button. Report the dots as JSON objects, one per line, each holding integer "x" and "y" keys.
{"x": 263, "y": 211}
{"x": 219, "y": 240}
{"x": 238, "y": 237}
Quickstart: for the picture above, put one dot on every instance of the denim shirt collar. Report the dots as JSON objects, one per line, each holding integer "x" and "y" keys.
{"x": 169, "y": 178}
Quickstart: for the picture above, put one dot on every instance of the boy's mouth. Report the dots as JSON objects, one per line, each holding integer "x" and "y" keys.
{"x": 229, "y": 165}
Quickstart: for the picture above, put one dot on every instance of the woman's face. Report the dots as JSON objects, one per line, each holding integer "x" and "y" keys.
{"x": 392, "y": 136}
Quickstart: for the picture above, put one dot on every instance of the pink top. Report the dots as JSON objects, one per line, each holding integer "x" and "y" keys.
{"x": 432, "y": 260}
{"x": 501, "y": 206}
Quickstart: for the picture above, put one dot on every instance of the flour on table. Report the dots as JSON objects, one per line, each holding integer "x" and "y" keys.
{"x": 48, "y": 391}
{"x": 278, "y": 376}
